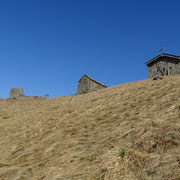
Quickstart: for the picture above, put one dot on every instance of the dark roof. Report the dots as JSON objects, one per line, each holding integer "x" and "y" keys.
{"x": 162, "y": 55}
{"x": 93, "y": 80}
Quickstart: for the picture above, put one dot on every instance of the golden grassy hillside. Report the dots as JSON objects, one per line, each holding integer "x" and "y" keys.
{"x": 126, "y": 132}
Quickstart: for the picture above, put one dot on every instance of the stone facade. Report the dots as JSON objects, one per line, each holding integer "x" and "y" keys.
{"x": 164, "y": 65}
{"x": 87, "y": 84}
{"x": 16, "y": 93}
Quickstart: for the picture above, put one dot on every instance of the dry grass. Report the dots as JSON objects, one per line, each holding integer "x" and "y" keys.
{"x": 129, "y": 132}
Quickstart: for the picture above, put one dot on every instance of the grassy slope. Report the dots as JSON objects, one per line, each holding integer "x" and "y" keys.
{"x": 84, "y": 136}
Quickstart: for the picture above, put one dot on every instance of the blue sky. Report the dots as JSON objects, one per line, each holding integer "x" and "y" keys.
{"x": 47, "y": 45}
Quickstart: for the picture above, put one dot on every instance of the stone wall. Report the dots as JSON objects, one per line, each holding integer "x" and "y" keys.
{"x": 16, "y": 93}
{"x": 163, "y": 67}
{"x": 87, "y": 84}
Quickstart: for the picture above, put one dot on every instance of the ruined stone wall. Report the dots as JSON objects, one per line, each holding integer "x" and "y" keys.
{"x": 163, "y": 67}
{"x": 16, "y": 93}
{"x": 87, "y": 85}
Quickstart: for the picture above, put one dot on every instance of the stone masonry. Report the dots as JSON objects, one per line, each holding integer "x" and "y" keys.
{"x": 163, "y": 65}
{"x": 87, "y": 84}
{"x": 16, "y": 93}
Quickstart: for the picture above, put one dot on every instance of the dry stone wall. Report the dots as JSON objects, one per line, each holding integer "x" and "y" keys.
{"x": 16, "y": 93}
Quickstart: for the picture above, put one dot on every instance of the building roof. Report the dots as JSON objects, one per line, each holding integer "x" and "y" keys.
{"x": 162, "y": 55}
{"x": 93, "y": 80}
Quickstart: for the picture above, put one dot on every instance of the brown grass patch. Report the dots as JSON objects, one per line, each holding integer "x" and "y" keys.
{"x": 80, "y": 136}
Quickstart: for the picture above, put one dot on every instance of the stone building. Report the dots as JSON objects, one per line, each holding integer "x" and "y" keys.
{"x": 16, "y": 93}
{"x": 163, "y": 65}
{"x": 87, "y": 84}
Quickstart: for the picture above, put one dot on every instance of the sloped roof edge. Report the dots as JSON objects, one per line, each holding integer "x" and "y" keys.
{"x": 162, "y": 55}
{"x": 93, "y": 80}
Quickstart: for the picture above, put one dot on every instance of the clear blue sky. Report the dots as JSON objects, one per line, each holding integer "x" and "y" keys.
{"x": 47, "y": 45}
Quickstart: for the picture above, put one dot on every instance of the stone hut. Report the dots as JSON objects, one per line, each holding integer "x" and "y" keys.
{"x": 16, "y": 93}
{"x": 163, "y": 65}
{"x": 87, "y": 84}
